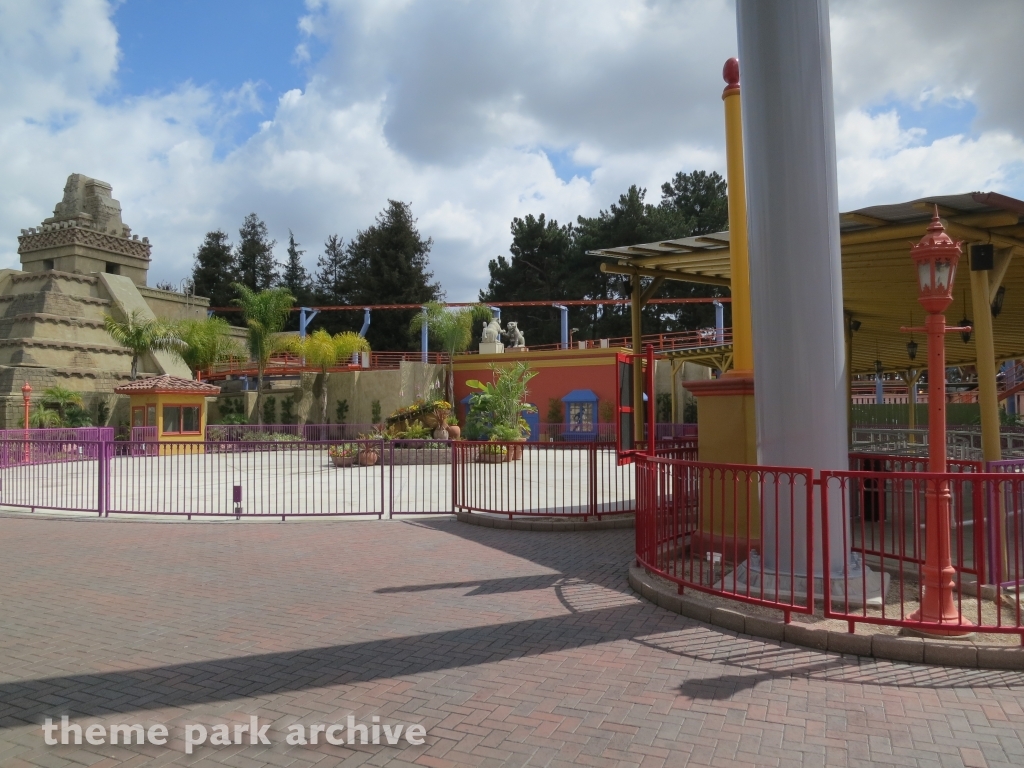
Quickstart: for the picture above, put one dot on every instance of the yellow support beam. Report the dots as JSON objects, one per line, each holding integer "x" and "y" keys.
{"x": 686, "y": 277}
{"x": 739, "y": 272}
{"x": 986, "y": 365}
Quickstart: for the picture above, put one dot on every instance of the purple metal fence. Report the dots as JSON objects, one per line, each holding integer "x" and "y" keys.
{"x": 53, "y": 474}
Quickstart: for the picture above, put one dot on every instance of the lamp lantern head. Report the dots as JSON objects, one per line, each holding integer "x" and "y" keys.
{"x": 936, "y": 257}
{"x": 878, "y": 368}
{"x": 912, "y": 349}
{"x": 997, "y": 301}
{"x": 26, "y": 391}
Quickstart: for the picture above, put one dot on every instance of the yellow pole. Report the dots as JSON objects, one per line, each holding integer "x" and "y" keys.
{"x": 742, "y": 335}
{"x": 985, "y": 352}
{"x": 636, "y": 306}
{"x": 849, "y": 378}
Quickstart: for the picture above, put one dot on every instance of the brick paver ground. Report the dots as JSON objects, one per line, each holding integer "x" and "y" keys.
{"x": 512, "y": 648}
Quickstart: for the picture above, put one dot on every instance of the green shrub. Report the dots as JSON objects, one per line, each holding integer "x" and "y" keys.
{"x": 416, "y": 431}
{"x": 270, "y": 410}
{"x": 556, "y": 411}
{"x": 287, "y": 410}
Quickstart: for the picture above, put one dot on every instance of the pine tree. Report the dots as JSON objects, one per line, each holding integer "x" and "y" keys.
{"x": 254, "y": 255}
{"x": 296, "y": 280}
{"x": 214, "y": 269}
{"x": 388, "y": 264}
{"x": 330, "y": 287}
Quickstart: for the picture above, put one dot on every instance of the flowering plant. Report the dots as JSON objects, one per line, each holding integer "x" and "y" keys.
{"x": 343, "y": 450}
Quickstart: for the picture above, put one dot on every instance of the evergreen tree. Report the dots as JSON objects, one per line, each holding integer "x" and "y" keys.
{"x": 295, "y": 277}
{"x": 550, "y": 262}
{"x": 541, "y": 255}
{"x": 254, "y": 255}
{"x": 296, "y": 280}
{"x": 330, "y": 287}
{"x": 213, "y": 270}
{"x": 387, "y": 264}
{"x": 701, "y": 199}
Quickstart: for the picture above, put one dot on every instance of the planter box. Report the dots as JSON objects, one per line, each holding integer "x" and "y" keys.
{"x": 343, "y": 461}
{"x": 492, "y": 458}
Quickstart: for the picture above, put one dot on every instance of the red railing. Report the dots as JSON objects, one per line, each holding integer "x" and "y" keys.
{"x": 287, "y": 364}
{"x": 662, "y": 342}
{"x": 749, "y": 533}
{"x": 739, "y": 531}
{"x": 568, "y": 479}
{"x": 986, "y": 548}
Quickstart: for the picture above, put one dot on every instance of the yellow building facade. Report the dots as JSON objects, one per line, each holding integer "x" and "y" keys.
{"x": 174, "y": 406}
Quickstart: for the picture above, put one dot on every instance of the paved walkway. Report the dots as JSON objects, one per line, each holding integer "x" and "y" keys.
{"x": 512, "y": 648}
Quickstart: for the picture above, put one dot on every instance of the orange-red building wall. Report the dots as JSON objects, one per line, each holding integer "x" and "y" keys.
{"x": 559, "y": 372}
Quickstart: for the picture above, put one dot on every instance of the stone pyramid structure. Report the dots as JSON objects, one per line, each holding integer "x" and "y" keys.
{"x": 79, "y": 264}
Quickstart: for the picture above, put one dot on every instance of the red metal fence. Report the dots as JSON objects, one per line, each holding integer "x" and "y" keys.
{"x": 569, "y": 479}
{"x": 718, "y": 529}
{"x": 704, "y": 527}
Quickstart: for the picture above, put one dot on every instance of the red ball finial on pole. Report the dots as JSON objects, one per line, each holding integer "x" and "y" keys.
{"x": 731, "y": 74}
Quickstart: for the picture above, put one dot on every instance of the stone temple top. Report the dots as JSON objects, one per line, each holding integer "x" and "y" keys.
{"x": 88, "y": 203}
{"x": 85, "y": 235}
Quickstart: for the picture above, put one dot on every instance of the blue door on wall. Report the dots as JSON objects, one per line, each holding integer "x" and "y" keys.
{"x": 533, "y": 420}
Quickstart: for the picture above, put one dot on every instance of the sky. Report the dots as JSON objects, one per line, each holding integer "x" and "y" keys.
{"x": 313, "y": 114}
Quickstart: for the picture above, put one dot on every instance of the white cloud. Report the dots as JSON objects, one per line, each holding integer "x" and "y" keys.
{"x": 454, "y": 106}
{"x": 879, "y": 161}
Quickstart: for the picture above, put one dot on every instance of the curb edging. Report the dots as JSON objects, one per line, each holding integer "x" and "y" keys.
{"x": 548, "y": 525}
{"x": 912, "y": 650}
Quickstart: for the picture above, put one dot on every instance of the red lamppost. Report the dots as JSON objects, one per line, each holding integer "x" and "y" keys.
{"x": 936, "y": 258}
{"x": 26, "y": 393}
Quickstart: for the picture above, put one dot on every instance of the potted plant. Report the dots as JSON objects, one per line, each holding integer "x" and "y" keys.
{"x": 343, "y": 455}
{"x": 492, "y": 453}
{"x": 498, "y": 406}
{"x": 442, "y": 409}
{"x": 369, "y": 453}
{"x": 506, "y": 434}
{"x": 454, "y": 430}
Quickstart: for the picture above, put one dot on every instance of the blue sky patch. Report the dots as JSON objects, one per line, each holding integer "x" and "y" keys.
{"x": 221, "y": 44}
{"x": 565, "y": 167}
{"x": 947, "y": 118}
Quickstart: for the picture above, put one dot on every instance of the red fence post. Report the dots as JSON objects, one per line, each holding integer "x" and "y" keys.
{"x": 592, "y": 480}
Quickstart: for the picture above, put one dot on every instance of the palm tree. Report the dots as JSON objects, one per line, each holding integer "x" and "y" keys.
{"x": 44, "y": 418}
{"x": 323, "y": 351}
{"x": 452, "y": 329}
{"x": 140, "y": 334}
{"x": 65, "y": 404}
{"x": 206, "y": 342}
{"x": 265, "y": 314}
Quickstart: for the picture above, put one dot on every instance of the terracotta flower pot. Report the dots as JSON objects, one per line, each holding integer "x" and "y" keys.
{"x": 454, "y": 431}
{"x": 368, "y": 458}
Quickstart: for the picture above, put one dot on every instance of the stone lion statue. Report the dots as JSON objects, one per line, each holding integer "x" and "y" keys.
{"x": 492, "y": 332}
{"x": 515, "y": 336}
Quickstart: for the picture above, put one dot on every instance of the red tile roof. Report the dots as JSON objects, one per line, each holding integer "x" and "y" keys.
{"x": 159, "y": 385}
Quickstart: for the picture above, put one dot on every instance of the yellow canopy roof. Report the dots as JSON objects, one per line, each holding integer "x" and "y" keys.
{"x": 879, "y": 280}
